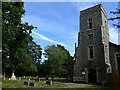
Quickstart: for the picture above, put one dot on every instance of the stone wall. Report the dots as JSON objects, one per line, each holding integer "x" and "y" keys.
{"x": 114, "y": 49}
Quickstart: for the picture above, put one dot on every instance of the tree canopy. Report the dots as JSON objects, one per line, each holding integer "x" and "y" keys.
{"x": 59, "y": 62}
{"x": 16, "y": 36}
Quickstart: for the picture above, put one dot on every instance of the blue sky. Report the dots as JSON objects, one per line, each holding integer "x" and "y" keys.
{"x": 58, "y": 22}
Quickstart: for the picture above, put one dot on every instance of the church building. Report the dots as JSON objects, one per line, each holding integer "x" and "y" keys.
{"x": 95, "y": 55}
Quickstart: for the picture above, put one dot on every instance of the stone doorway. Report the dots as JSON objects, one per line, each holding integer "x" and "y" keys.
{"x": 92, "y": 76}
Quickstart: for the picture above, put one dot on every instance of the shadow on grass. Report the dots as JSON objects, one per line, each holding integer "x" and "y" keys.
{"x": 62, "y": 80}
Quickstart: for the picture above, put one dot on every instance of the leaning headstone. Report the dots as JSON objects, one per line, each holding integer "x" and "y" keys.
{"x": 26, "y": 83}
{"x": 13, "y": 77}
{"x": 31, "y": 84}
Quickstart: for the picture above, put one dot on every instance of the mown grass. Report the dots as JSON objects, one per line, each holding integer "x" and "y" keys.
{"x": 38, "y": 84}
{"x": 57, "y": 83}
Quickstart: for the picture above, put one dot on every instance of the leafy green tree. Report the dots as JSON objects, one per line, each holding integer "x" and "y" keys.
{"x": 59, "y": 61}
{"x": 36, "y": 51}
{"x": 43, "y": 69}
{"x": 15, "y": 36}
{"x": 68, "y": 65}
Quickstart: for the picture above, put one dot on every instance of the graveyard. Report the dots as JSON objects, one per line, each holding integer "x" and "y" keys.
{"x": 24, "y": 82}
{"x": 43, "y": 82}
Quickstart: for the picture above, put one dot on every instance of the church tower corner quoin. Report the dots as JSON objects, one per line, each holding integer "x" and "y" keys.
{"x": 92, "y": 54}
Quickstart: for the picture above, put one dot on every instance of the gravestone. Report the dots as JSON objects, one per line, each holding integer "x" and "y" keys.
{"x": 19, "y": 78}
{"x": 31, "y": 84}
{"x": 39, "y": 79}
{"x": 26, "y": 83}
{"x": 49, "y": 82}
{"x": 24, "y": 77}
{"x": 29, "y": 79}
{"x": 4, "y": 77}
{"x": 13, "y": 77}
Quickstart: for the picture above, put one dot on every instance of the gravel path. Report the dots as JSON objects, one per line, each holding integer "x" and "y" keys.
{"x": 77, "y": 85}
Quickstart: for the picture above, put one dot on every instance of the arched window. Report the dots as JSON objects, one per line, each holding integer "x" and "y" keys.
{"x": 90, "y": 52}
{"x": 90, "y": 23}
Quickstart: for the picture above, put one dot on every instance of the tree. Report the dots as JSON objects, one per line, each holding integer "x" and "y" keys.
{"x": 117, "y": 16}
{"x": 59, "y": 61}
{"x": 43, "y": 69}
{"x": 69, "y": 64}
{"x": 36, "y": 51}
{"x": 15, "y": 36}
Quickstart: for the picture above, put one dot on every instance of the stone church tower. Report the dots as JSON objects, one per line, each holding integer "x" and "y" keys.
{"x": 92, "y": 54}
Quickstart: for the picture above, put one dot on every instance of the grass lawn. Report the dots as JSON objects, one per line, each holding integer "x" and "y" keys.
{"x": 57, "y": 83}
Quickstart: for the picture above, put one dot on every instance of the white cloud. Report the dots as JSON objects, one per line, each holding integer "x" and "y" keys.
{"x": 51, "y": 27}
{"x": 113, "y": 35}
{"x": 46, "y": 25}
{"x": 37, "y": 35}
{"x": 84, "y": 5}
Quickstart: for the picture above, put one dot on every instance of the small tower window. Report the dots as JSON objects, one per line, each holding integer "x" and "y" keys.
{"x": 90, "y": 52}
{"x": 90, "y": 36}
{"x": 90, "y": 23}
